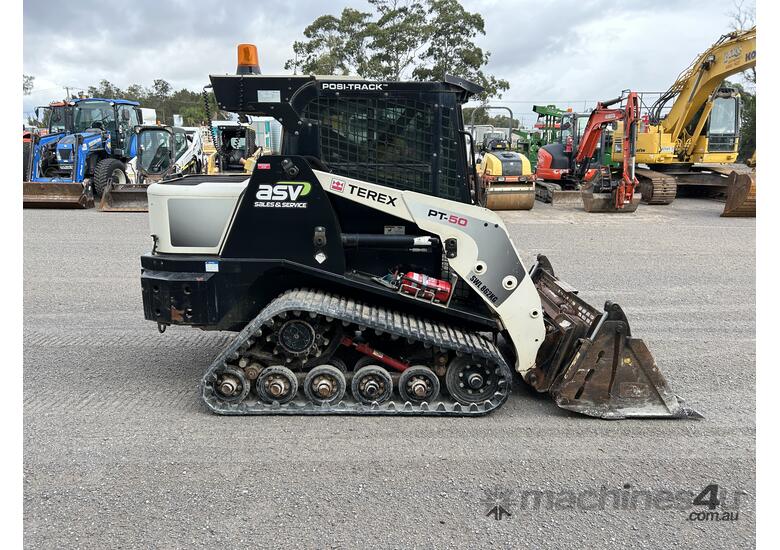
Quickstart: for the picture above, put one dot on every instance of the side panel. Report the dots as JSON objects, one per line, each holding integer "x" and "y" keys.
{"x": 486, "y": 258}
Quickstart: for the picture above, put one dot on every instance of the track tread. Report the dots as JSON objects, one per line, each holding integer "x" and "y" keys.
{"x": 430, "y": 333}
{"x": 656, "y": 187}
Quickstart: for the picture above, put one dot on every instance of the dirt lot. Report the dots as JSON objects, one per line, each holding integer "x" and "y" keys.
{"x": 119, "y": 452}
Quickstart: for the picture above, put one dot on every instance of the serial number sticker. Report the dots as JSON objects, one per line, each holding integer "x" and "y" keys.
{"x": 269, "y": 96}
{"x": 212, "y": 267}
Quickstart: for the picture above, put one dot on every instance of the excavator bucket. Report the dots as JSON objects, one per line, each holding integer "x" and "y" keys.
{"x": 590, "y": 363}
{"x": 605, "y": 202}
{"x": 556, "y": 195}
{"x": 56, "y": 195}
{"x": 741, "y": 195}
{"x": 124, "y": 198}
{"x": 510, "y": 196}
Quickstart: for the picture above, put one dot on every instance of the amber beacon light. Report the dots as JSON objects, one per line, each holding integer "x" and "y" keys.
{"x": 247, "y": 59}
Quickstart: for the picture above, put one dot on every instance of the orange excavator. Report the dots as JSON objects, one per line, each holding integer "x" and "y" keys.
{"x": 577, "y": 164}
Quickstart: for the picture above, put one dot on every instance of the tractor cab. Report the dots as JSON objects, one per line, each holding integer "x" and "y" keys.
{"x": 59, "y": 115}
{"x": 113, "y": 119}
{"x": 81, "y": 133}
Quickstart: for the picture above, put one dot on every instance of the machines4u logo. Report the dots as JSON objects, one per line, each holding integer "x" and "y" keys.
{"x": 282, "y": 194}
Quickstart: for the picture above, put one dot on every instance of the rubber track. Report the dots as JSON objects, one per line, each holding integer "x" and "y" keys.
{"x": 364, "y": 315}
{"x": 664, "y": 186}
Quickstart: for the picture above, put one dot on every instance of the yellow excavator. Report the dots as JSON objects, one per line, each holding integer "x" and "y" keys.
{"x": 695, "y": 140}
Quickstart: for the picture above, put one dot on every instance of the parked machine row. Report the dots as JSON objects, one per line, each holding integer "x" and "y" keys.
{"x": 102, "y": 151}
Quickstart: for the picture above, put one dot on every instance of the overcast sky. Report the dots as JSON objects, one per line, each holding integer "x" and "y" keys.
{"x": 551, "y": 51}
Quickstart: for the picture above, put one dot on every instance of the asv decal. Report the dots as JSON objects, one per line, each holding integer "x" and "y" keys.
{"x": 451, "y": 218}
{"x": 282, "y": 194}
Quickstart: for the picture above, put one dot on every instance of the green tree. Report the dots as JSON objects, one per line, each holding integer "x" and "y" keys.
{"x": 421, "y": 39}
{"x": 394, "y": 39}
{"x": 106, "y": 90}
{"x": 451, "y": 49}
{"x": 333, "y": 45}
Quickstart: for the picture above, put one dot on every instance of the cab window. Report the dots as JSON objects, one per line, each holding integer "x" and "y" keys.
{"x": 181, "y": 144}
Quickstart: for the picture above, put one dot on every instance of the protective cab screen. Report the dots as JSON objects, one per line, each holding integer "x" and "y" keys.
{"x": 403, "y": 143}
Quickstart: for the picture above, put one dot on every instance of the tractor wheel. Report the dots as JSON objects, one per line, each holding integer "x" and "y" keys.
{"x": 108, "y": 171}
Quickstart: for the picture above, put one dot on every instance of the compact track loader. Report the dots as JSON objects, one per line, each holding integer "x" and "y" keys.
{"x": 162, "y": 152}
{"x": 361, "y": 276}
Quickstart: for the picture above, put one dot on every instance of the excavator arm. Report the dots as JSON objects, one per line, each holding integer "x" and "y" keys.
{"x": 591, "y": 136}
{"x": 697, "y": 86}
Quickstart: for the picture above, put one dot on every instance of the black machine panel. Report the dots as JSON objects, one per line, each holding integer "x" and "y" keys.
{"x": 406, "y": 135}
{"x": 560, "y": 158}
{"x": 284, "y": 213}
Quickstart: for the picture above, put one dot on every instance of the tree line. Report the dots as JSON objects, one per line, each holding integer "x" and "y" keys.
{"x": 398, "y": 40}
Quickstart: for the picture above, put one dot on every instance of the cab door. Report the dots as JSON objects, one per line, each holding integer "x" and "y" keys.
{"x": 155, "y": 153}
{"x": 127, "y": 121}
{"x": 184, "y": 156}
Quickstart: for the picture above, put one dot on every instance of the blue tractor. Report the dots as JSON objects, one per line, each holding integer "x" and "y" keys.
{"x": 88, "y": 145}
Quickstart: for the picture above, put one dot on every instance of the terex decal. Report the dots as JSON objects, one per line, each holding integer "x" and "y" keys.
{"x": 446, "y": 216}
{"x": 354, "y": 86}
{"x": 282, "y": 194}
{"x": 370, "y": 194}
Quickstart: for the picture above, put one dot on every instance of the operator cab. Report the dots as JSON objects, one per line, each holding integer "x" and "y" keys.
{"x": 495, "y": 141}
{"x": 724, "y": 122}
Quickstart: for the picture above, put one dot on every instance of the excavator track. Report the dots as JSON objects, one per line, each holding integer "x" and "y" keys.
{"x": 348, "y": 319}
{"x": 656, "y": 187}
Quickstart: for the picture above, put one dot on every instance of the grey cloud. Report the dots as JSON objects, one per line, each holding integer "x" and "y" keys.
{"x": 547, "y": 50}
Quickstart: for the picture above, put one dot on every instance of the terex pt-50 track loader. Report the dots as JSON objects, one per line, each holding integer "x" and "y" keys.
{"x": 363, "y": 278}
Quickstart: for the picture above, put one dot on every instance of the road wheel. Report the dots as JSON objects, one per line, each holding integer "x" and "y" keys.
{"x": 276, "y": 384}
{"x": 372, "y": 384}
{"x": 325, "y": 385}
{"x": 418, "y": 384}
{"x": 108, "y": 171}
{"x": 471, "y": 380}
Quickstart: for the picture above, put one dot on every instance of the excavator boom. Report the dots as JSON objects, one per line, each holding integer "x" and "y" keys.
{"x": 732, "y": 53}
{"x": 679, "y": 144}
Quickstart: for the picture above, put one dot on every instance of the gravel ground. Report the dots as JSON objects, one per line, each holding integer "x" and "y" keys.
{"x": 119, "y": 452}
